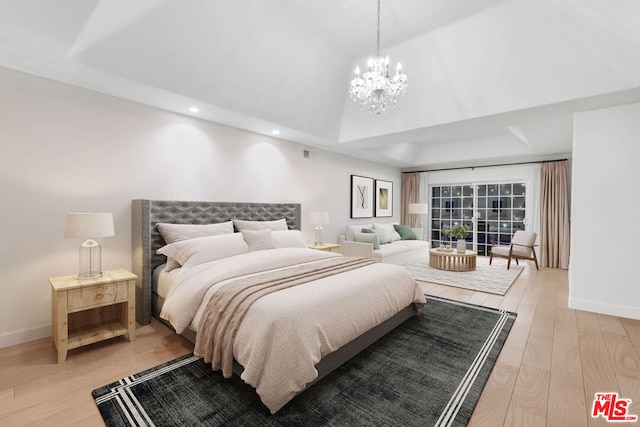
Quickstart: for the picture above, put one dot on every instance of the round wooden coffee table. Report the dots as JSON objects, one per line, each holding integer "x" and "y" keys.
{"x": 452, "y": 261}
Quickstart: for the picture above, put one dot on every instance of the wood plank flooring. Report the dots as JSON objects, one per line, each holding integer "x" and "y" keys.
{"x": 553, "y": 362}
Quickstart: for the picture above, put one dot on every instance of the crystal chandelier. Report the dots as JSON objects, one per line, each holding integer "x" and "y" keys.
{"x": 376, "y": 90}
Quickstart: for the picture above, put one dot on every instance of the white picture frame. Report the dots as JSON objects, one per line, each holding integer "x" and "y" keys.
{"x": 362, "y": 197}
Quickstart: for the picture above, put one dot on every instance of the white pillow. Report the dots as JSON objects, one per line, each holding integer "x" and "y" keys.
{"x": 258, "y": 240}
{"x": 205, "y": 249}
{"x": 177, "y": 232}
{"x": 388, "y": 232}
{"x": 171, "y": 264}
{"x": 288, "y": 239}
{"x": 278, "y": 224}
{"x": 396, "y": 235}
{"x": 368, "y": 238}
{"x": 352, "y": 229}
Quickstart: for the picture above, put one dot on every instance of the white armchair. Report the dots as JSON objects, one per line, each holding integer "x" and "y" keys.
{"x": 521, "y": 247}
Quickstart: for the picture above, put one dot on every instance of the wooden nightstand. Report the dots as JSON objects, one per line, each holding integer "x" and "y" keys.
{"x": 328, "y": 247}
{"x": 85, "y": 311}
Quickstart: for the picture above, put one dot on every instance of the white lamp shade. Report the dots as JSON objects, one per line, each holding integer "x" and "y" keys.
{"x": 86, "y": 225}
{"x": 418, "y": 208}
{"x": 319, "y": 218}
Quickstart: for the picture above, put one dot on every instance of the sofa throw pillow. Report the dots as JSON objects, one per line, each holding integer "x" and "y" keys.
{"x": 385, "y": 232}
{"x": 258, "y": 240}
{"x": 367, "y": 237}
{"x": 406, "y": 232}
{"x": 382, "y": 237}
{"x": 352, "y": 229}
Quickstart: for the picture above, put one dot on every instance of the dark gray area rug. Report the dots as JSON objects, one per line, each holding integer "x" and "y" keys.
{"x": 429, "y": 371}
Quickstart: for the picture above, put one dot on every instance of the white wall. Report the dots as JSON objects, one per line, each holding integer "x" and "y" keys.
{"x": 603, "y": 270}
{"x": 65, "y": 149}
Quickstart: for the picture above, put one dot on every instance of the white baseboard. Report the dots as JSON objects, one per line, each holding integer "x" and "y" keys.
{"x": 24, "y": 335}
{"x": 603, "y": 308}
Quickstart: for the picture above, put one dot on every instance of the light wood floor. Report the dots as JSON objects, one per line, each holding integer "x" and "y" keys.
{"x": 553, "y": 362}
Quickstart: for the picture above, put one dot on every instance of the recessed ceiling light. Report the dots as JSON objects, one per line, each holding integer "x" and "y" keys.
{"x": 275, "y": 132}
{"x": 194, "y": 109}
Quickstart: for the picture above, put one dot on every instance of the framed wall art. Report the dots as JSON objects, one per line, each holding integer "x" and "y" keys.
{"x": 384, "y": 198}
{"x": 362, "y": 198}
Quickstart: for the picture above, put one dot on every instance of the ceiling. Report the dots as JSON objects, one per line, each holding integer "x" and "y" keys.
{"x": 490, "y": 81}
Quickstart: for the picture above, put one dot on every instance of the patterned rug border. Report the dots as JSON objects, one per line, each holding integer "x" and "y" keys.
{"x": 493, "y": 279}
{"x": 119, "y": 399}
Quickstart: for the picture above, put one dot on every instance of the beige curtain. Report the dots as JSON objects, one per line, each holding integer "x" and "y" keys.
{"x": 410, "y": 194}
{"x": 554, "y": 215}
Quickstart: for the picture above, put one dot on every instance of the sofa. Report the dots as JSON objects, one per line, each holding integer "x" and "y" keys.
{"x": 384, "y": 243}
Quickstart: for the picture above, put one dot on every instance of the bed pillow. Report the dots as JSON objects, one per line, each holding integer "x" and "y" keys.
{"x": 278, "y": 224}
{"x": 177, "y": 232}
{"x": 258, "y": 240}
{"x": 288, "y": 239}
{"x": 367, "y": 238}
{"x": 406, "y": 232}
{"x": 205, "y": 249}
{"x": 171, "y": 264}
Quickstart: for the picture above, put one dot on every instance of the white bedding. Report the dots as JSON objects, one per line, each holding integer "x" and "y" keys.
{"x": 285, "y": 334}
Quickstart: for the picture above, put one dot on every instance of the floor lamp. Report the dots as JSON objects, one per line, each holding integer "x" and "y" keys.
{"x": 419, "y": 209}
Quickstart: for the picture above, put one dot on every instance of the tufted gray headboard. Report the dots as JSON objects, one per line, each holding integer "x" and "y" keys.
{"x": 146, "y": 238}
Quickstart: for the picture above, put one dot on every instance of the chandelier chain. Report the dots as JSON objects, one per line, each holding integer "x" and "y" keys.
{"x": 376, "y": 89}
{"x": 378, "y": 43}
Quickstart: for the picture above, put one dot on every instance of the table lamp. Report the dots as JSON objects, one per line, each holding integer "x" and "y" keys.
{"x": 320, "y": 219}
{"x": 87, "y": 226}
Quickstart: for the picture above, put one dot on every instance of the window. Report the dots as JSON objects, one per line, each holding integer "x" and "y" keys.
{"x": 493, "y": 212}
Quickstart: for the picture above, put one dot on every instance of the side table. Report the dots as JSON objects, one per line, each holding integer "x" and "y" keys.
{"x": 85, "y": 311}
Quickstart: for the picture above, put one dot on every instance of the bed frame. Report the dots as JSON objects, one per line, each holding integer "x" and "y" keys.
{"x": 146, "y": 239}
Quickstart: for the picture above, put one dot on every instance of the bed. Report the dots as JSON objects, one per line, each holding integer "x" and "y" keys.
{"x": 400, "y": 294}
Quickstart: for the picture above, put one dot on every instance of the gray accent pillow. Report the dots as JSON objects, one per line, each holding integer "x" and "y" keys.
{"x": 367, "y": 237}
{"x": 258, "y": 240}
{"x": 406, "y": 232}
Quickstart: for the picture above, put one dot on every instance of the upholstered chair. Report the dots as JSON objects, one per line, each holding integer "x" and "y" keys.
{"x": 521, "y": 247}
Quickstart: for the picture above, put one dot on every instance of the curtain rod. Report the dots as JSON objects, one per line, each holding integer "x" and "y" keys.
{"x": 488, "y": 166}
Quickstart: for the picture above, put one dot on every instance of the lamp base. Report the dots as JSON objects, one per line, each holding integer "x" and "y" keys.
{"x": 90, "y": 260}
{"x": 318, "y": 235}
